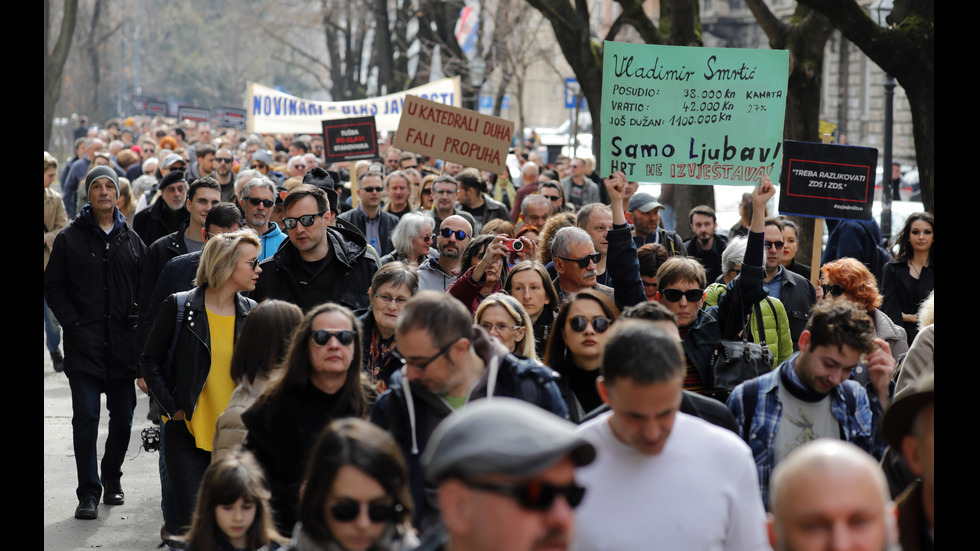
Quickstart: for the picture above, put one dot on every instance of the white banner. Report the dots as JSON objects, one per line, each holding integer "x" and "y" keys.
{"x": 271, "y": 111}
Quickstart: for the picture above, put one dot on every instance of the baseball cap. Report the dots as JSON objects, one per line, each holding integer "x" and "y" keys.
{"x": 643, "y": 201}
{"x": 504, "y": 436}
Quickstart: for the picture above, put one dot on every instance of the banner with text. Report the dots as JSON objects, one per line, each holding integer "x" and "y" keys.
{"x": 827, "y": 180}
{"x": 686, "y": 115}
{"x": 454, "y": 134}
{"x": 350, "y": 139}
{"x": 270, "y": 110}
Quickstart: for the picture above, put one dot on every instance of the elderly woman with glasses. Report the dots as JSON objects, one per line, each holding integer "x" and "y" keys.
{"x": 321, "y": 382}
{"x": 412, "y": 240}
{"x": 390, "y": 289}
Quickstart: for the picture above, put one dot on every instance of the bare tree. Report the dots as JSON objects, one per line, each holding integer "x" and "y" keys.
{"x": 54, "y": 60}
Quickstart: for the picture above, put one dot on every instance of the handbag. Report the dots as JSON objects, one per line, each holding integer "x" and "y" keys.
{"x": 735, "y": 361}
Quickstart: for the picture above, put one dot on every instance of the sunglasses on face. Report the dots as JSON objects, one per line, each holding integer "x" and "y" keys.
{"x": 535, "y": 495}
{"x": 446, "y": 232}
{"x": 259, "y": 166}
{"x": 427, "y": 191}
{"x": 307, "y": 220}
{"x": 552, "y": 197}
{"x": 777, "y": 244}
{"x": 253, "y": 263}
{"x": 322, "y": 337}
{"x": 427, "y": 238}
{"x": 579, "y": 323}
{"x": 674, "y": 295}
{"x": 832, "y": 289}
{"x": 372, "y": 189}
{"x": 267, "y": 203}
{"x": 585, "y": 260}
{"x": 348, "y": 510}
{"x": 223, "y": 159}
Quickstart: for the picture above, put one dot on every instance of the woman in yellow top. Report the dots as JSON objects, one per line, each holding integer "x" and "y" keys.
{"x": 188, "y": 374}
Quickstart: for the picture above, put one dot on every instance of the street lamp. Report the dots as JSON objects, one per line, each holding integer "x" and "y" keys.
{"x": 879, "y": 11}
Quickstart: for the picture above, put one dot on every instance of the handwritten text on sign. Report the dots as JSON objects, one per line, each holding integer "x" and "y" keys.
{"x": 454, "y": 134}
{"x": 693, "y": 115}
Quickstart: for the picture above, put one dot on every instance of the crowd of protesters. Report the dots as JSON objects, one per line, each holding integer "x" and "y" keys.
{"x": 408, "y": 353}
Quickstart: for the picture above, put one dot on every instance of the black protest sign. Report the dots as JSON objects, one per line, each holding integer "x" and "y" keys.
{"x": 350, "y": 139}
{"x": 827, "y": 180}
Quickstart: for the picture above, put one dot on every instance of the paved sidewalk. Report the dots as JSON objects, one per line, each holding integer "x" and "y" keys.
{"x": 134, "y": 526}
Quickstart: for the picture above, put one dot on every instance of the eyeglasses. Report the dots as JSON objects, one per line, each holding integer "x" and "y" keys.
{"x": 322, "y": 337}
{"x": 348, "y": 510}
{"x": 447, "y": 233}
{"x": 777, "y": 244}
{"x": 535, "y": 495}
{"x": 254, "y": 263}
{"x": 585, "y": 260}
{"x": 674, "y": 295}
{"x": 423, "y": 364}
{"x": 378, "y": 189}
{"x": 445, "y": 191}
{"x": 427, "y": 191}
{"x": 579, "y": 323}
{"x": 399, "y": 302}
{"x": 499, "y": 328}
{"x": 267, "y": 203}
{"x": 307, "y": 220}
{"x": 832, "y": 289}
{"x": 552, "y": 197}
{"x": 427, "y": 238}
{"x": 223, "y": 160}
{"x": 299, "y": 166}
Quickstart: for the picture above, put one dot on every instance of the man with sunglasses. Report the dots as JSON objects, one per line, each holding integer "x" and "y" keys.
{"x": 681, "y": 282}
{"x": 575, "y": 260}
{"x": 374, "y": 223}
{"x": 448, "y": 363}
{"x": 661, "y": 477}
{"x": 258, "y": 199}
{"x": 319, "y": 263}
{"x": 223, "y": 173}
{"x": 809, "y": 395}
{"x": 515, "y": 490}
{"x": 796, "y": 293}
{"x": 438, "y": 274}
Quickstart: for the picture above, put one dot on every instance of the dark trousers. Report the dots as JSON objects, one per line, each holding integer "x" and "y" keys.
{"x": 86, "y": 406}
{"x": 186, "y": 464}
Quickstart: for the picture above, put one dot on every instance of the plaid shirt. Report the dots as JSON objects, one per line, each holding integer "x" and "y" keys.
{"x": 858, "y": 428}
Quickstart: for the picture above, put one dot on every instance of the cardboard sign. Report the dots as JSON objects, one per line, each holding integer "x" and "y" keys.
{"x": 687, "y": 115}
{"x": 828, "y": 180}
{"x": 271, "y": 110}
{"x": 350, "y": 139}
{"x": 453, "y": 134}
{"x": 228, "y": 117}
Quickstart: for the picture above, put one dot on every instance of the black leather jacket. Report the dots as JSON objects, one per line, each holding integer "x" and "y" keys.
{"x": 180, "y": 386}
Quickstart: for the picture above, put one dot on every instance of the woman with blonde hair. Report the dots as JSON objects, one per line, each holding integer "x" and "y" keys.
{"x": 186, "y": 362}
{"x": 503, "y": 317}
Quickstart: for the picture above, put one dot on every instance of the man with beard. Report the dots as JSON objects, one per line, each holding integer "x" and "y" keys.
{"x": 809, "y": 397}
{"x": 223, "y": 173}
{"x": 645, "y": 211}
{"x": 437, "y": 274}
{"x": 705, "y": 244}
{"x": 167, "y": 213}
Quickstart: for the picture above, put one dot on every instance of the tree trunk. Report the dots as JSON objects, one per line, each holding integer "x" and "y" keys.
{"x": 54, "y": 62}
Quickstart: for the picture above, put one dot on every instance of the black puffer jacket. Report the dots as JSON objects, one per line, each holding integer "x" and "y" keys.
{"x": 180, "y": 387}
{"x": 352, "y": 270}
{"x": 91, "y": 285}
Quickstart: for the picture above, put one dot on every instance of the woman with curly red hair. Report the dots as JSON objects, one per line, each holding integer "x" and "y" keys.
{"x": 851, "y": 278}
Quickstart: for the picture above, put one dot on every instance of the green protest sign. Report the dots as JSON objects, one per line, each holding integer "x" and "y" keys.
{"x": 688, "y": 115}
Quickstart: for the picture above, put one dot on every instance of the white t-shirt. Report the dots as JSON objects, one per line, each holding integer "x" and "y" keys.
{"x": 700, "y": 493}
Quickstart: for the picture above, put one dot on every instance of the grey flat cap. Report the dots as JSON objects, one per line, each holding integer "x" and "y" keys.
{"x": 504, "y": 436}
{"x": 643, "y": 201}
